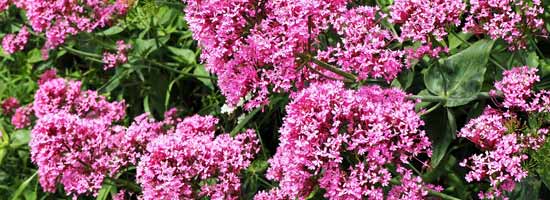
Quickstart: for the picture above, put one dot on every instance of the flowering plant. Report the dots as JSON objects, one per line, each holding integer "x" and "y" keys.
{"x": 274, "y": 99}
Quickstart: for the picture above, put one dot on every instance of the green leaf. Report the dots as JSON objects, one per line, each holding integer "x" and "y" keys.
{"x": 146, "y": 106}
{"x": 527, "y": 189}
{"x": 460, "y": 77}
{"x": 34, "y": 56}
{"x": 20, "y": 137}
{"x": 244, "y": 121}
{"x": 455, "y": 41}
{"x": 441, "y": 127}
{"x": 144, "y": 47}
{"x": 104, "y": 192}
{"x": 22, "y": 187}
{"x": 404, "y": 80}
{"x": 200, "y": 70}
{"x": 184, "y": 55}
{"x": 111, "y": 31}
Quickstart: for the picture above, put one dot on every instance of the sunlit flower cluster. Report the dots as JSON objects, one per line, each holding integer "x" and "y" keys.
{"x": 501, "y": 135}
{"x": 344, "y": 141}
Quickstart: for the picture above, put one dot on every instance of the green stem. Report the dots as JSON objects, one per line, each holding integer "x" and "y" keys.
{"x": 432, "y": 109}
{"x": 332, "y": 68}
{"x": 163, "y": 66}
{"x": 481, "y": 95}
{"x": 126, "y": 184}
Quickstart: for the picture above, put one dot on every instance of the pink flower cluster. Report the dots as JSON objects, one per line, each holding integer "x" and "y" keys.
{"x": 193, "y": 163}
{"x": 252, "y": 46}
{"x": 112, "y": 60}
{"x": 61, "y": 19}
{"x": 364, "y": 48}
{"x": 345, "y": 141}
{"x": 4, "y": 4}
{"x": 500, "y": 163}
{"x": 516, "y": 86}
{"x": 501, "y": 136}
{"x": 74, "y": 141}
{"x": 22, "y": 117}
{"x": 421, "y": 19}
{"x": 510, "y": 20}
{"x": 12, "y": 43}
{"x": 9, "y": 105}
{"x": 259, "y": 47}
{"x": 79, "y": 153}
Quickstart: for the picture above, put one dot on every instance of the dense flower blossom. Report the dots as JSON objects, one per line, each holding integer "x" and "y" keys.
{"x": 74, "y": 141}
{"x": 76, "y": 152}
{"x": 22, "y": 117}
{"x": 516, "y": 86}
{"x": 112, "y": 60}
{"x": 58, "y": 95}
{"x": 4, "y": 4}
{"x": 501, "y": 136}
{"x": 61, "y": 19}
{"x": 364, "y": 48}
{"x": 510, "y": 20}
{"x": 12, "y": 43}
{"x": 253, "y": 45}
{"x": 502, "y": 165}
{"x": 344, "y": 140}
{"x": 192, "y": 158}
{"x": 421, "y": 19}
{"x": 485, "y": 130}
{"x": 47, "y": 75}
{"x": 9, "y": 105}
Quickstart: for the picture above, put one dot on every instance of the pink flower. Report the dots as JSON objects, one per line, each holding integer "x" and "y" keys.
{"x": 22, "y": 117}
{"x": 47, "y": 75}
{"x": 176, "y": 165}
{"x": 421, "y": 19}
{"x": 516, "y": 86}
{"x": 501, "y": 166}
{"x": 9, "y": 105}
{"x": 12, "y": 43}
{"x": 78, "y": 153}
{"x": 510, "y": 20}
{"x": 4, "y": 4}
{"x": 58, "y": 95}
{"x": 485, "y": 130}
{"x": 328, "y": 127}
{"x": 112, "y": 60}
{"x": 59, "y": 20}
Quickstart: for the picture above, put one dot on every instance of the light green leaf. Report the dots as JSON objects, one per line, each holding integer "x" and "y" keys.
{"x": 111, "y": 31}
{"x": 20, "y": 137}
{"x": 184, "y": 55}
{"x": 201, "y": 71}
{"x": 22, "y": 187}
{"x": 460, "y": 77}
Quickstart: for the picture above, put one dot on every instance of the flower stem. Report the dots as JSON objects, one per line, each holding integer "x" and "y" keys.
{"x": 331, "y": 68}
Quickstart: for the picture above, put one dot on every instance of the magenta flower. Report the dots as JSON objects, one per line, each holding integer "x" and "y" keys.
{"x": 12, "y": 43}
{"x": 510, "y": 20}
{"x": 112, "y": 60}
{"x": 421, "y": 19}
{"x": 22, "y": 117}
{"x": 78, "y": 153}
{"x": 328, "y": 127}
{"x": 192, "y": 162}
{"x": 59, "y": 20}
{"x": 9, "y": 105}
